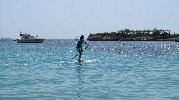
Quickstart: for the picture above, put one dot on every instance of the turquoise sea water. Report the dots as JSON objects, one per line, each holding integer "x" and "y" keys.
{"x": 110, "y": 71}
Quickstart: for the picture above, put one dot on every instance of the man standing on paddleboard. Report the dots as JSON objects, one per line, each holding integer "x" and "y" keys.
{"x": 79, "y": 47}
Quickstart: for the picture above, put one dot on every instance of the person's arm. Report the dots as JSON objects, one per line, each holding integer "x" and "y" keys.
{"x": 87, "y": 44}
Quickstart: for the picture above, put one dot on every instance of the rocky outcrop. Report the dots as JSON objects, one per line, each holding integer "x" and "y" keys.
{"x": 135, "y": 35}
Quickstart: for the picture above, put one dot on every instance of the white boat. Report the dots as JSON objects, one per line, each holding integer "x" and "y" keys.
{"x": 27, "y": 38}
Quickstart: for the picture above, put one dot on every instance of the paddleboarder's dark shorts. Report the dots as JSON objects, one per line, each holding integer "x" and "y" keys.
{"x": 80, "y": 50}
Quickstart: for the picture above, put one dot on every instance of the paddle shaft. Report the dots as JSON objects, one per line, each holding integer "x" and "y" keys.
{"x": 77, "y": 54}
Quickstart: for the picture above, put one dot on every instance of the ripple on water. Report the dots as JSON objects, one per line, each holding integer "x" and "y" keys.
{"x": 110, "y": 70}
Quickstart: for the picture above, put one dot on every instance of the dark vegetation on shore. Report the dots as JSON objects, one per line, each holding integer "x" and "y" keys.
{"x": 135, "y": 35}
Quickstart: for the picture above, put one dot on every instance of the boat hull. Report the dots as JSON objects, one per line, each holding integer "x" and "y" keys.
{"x": 30, "y": 40}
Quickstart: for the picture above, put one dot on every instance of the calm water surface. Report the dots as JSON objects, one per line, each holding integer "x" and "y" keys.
{"x": 111, "y": 70}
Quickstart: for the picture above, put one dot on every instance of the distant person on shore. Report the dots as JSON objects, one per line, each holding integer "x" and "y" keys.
{"x": 79, "y": 47}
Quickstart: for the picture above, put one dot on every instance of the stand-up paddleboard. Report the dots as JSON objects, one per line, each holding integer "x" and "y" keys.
{"x": 88, "y": 61}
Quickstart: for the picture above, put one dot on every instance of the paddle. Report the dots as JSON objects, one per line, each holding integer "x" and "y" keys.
{"x": 77, "y": 54}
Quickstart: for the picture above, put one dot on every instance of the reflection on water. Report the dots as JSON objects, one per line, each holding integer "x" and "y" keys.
{"x": 79, "y": 78}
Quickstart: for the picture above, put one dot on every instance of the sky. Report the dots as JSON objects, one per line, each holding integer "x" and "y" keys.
{"x": 67, "y": 19}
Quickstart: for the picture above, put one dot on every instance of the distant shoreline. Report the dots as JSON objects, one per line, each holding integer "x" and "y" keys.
{"x": 135, "y": 35}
